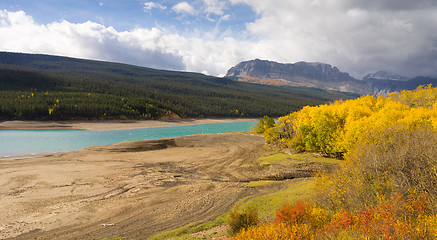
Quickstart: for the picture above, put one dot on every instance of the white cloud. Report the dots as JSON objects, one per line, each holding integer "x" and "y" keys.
{"x": 19, "y": 33}
{"x": 225, "y": 17}
{"x": 148, "y": 6}
{"x": 359, "y": 36}
{"x": 184, "y": 8}
{"x": 144, "y": 47}
{"x": 214, "y": 7}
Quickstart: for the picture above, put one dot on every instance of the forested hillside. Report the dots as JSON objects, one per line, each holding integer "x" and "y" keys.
{"x": 42, "y": 87}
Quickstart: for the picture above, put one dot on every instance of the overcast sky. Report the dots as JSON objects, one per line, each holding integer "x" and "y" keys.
{"x": 210, "y": 36}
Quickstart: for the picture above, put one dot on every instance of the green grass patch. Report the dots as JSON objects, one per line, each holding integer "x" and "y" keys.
{"x": 278, "y": 158}
{"x": 260, "y": 183}
{"x": 267, "y": 205}
{"x": 298, "y": 158}
{"x": 186, "y": 231}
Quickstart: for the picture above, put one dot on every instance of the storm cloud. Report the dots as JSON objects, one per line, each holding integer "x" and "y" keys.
{"x": 359, "y": 36}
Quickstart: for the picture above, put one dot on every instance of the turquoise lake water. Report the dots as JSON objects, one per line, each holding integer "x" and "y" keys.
{"x": 30, "y": 142}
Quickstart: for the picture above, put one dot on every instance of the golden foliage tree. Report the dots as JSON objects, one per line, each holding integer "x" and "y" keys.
{"x": 335, "y": 128}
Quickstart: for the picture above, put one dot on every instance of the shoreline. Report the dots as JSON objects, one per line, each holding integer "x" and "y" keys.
{"x": 105, "y": 125}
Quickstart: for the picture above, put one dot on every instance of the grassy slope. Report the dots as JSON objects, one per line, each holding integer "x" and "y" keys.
{"x": 298, "y": 158}
{"x": 266, "y": 205}
{"x": 188, "y": 94}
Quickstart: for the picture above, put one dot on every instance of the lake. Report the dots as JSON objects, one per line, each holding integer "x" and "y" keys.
{"x": 31, "y": 142}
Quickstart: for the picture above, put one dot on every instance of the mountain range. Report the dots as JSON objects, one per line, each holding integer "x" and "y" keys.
{"x": 324, "y": 76}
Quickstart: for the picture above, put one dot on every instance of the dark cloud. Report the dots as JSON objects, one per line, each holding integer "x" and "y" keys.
{"x": 358, "y": 36}
{"x": 391, "y": 5}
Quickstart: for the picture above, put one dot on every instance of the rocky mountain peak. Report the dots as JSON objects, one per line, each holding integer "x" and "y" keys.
{"x": 309, "y": 74}
{"x": 321, "y": 75}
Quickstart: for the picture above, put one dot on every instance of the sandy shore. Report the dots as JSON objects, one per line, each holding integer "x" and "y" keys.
{"x": 134, "y": 189}
{"x": 109, "y": 124}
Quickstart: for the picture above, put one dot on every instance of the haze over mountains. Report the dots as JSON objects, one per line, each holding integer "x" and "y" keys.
{"x": 324, "y": 76}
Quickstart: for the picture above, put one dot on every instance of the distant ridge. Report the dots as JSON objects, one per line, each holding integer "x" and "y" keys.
{"x": 321, "y": 75}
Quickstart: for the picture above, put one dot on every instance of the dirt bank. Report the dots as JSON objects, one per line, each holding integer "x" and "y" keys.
{"x": 110, "y": 124}
{"x": 129, "y": 189}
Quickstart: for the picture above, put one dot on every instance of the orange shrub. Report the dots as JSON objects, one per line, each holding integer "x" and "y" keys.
{"x": 273, "y": 231}
{"x": 394, "y": 218}
{"x": 296, "y": 214}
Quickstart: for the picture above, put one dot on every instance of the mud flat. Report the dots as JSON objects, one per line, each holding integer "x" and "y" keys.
{"x": 136, "y": 188}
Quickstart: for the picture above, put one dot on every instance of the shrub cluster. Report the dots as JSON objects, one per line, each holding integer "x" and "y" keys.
{"x": 387, "y": 186}
{"x": 240, "y": 220}
{"x": 394, "y": 218}
{"x": 385, "y": 162}
{"x": 334, "y": 129}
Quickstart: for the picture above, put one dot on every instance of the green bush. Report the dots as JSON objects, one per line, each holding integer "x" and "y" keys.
{"x": 263, "y": 124}
{"x": 238, "y": 221}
